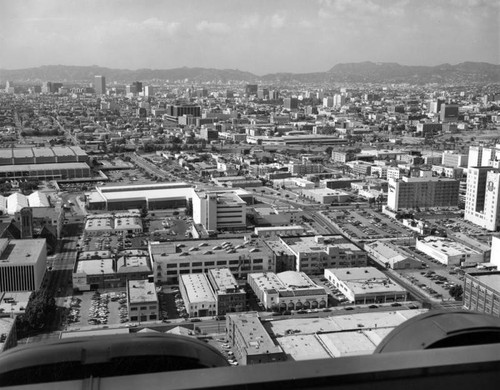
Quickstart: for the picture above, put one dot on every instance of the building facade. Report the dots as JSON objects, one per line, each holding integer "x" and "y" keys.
{"x": 413, "y": 192}
{"x": 482, "y": 292}
{"x": 250, "y": 341}
{"x": 22, "y": 264}
{"x": 365, "y": 285}
{"x": 142, "y": 301}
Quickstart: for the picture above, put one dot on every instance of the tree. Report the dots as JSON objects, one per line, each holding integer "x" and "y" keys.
{"x": 456, "y": 292}
{"x": 144, "y": 212}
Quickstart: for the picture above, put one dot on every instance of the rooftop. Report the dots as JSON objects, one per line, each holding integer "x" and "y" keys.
{"x": 21, "y": 251}
{"x": 447, "y": 246}
{"x": 197, "y": 288}
{"x": 141, "y": 291}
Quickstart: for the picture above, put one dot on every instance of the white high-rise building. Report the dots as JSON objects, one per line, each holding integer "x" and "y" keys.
{"x": 482, "y": 198}
{"x": 219, "y": 209}
{"x": 480, "y": 156}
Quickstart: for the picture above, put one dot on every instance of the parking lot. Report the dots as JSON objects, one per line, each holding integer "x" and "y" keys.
{"x": 92, "y": 308}
{"x": 366, "y": 224}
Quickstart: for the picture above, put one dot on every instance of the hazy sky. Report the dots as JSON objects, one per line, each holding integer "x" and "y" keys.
{"x": 259, "y": 36}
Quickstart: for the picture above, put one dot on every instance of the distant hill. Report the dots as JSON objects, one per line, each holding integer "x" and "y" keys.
{"x": 361, "y": 72}
{"x": 370, "y": 72}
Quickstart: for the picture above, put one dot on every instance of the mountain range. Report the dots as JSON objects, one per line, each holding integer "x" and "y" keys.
{"x": 361, "y": 72}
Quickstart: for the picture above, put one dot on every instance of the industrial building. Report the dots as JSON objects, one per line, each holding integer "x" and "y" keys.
{"x": 390, "y": 255}
{"x": 448, "y": 251}
{"x": 151, "y": 196}
{"x": 22, "y": 264}
{"x": 365, "y": 285}
{"x": 326, "y": 195}
{"x": 250, "y": 341}
{"x": 287, "y": 290}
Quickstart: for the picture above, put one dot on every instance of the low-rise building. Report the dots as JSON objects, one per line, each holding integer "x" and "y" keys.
{"x": 230, "y": 297}
{"x": 365, "y": 285}
{"x": 482, "y": 292}
{"x": 448, "y": 251}
{"x": 96, "y": 224}
{"x": 95, "y": 270}
{"x": 142, "y": 301}
{"x": 250, "y": 341}
{"x": 313, "y": 254}
{"x": 274, "y": 231}
{"x": 172, "y": 259}
{"x": 326, "y": 195}
{"x": 287, "y": 290}
{"x": 199, "y": 299}
{"x": 390, "y": 255}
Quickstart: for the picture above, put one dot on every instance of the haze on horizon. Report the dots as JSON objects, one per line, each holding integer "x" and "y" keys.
{"x": 258, "y": 36}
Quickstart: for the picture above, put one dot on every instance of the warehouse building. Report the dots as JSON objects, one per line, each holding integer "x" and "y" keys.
{"x": 151, "y": 196}
{"x": 197, "y": 294}
{"x": 448, "y": 251}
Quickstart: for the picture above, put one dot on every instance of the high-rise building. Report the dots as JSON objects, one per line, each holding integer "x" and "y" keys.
{"x": 134, "y": 88}
{"x": 482, "y": 198}
{"x": 481, "y": 156}
{"x": 251, "y": 89}
{"x": 449, "y": 113}
{"x": 413, "y": 192}
{"x": 291, "y": 103}
{"x": 100, "y": 85}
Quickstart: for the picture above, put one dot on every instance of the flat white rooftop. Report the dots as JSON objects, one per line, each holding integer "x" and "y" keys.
{"x": 141, "y": 291}
{"x": 197, "y": 288}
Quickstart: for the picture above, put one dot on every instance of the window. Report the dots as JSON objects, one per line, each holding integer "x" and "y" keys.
{"x": 144, "y": 308}
{"x": 222, "y": 262}
{"x": 133, "y": 318}
{"x": 209, "y": 263}
{"x": 152, "y": 317}
{"x": 152, "y": 307}
{"x": 172, "y": 265}
{"x": 133, "y": 309}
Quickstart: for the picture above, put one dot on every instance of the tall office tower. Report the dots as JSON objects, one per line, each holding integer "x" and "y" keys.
{"x": 100, "y": 85}
{"x": 291, "y": 103}
{"x": 328, "y": 102}
{"x": 338, "y": 100}
{"x": 274, "y": 95}
{"x": 134, "y": 88}
{"x": 251, "y": 89}
{"x": 148, "y": 91}
{"x": 481, "y": 156}
{"x": 9, "y": 87}
{"x": 263, "y": 93}
{"x": 449, "y": 113}
{"x": 482, "y": 197}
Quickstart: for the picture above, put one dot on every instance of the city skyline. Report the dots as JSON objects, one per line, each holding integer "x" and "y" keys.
{"x": 259, "y": 37}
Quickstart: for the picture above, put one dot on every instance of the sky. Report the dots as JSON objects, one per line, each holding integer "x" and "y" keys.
{"x": 258, "y": 36}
